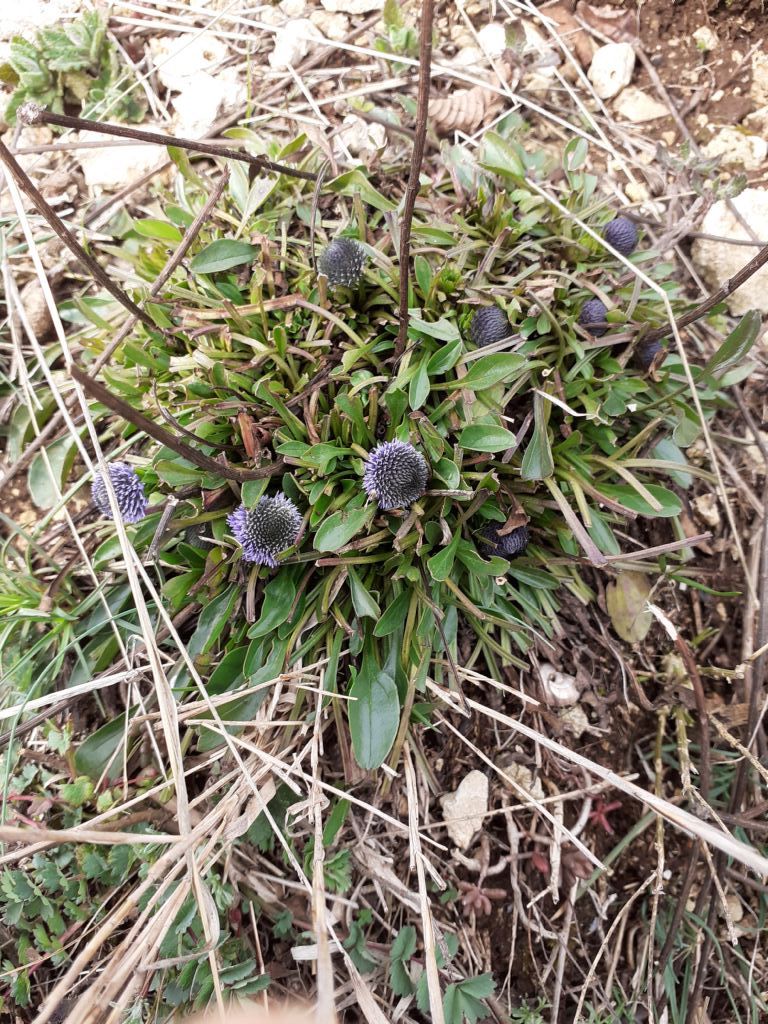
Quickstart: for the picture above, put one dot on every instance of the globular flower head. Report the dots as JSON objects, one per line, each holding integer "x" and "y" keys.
{"x": 649, "y": 354}
{"x": 342, "y": 262}
{"x": 621, "y": 233}
{"x": 396, "y": 474}
{"x": 265, "y": 530}
{"x": 593, "y": 312}
{"x": 489, "y": 325}
{"x": 508, "y": 545}
{"x": 129, "y": 491}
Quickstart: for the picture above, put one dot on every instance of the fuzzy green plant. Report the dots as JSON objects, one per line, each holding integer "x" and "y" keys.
{"x": 73, "y": 64}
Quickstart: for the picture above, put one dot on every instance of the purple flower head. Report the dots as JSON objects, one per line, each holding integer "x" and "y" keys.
{"x": 510, "y": 545}
{"x": 342, "y": 262}
{"x": 489, "y": 325}
{"x": 395, "y": 475}
{"x": 129, "y": 491}
{"x": 593, "y": 312}
{"x": 265, "y": 530}
{"x": 621, "y": 233}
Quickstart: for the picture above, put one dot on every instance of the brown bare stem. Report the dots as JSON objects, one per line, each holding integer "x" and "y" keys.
{"x": 59, "y": 228}
{"x": 412, "y": 188}
{"x": 31, "y": 113}
{"x": 96, "y": 390}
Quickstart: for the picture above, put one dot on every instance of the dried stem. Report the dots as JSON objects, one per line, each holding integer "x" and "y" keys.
{"x": 96, "y": 390}
{"x": 412, "y": 189}
{"x": 729, "y": 286}
{"x": 59, "y": 228}
{"x": 31, "y": 113}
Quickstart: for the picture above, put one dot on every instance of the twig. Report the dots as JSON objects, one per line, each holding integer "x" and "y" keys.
{"x": 96, "y": 390}
{"x": 32, "y": 114}
{"x": 726, "y": 289}
{"x": 59, "y": 228}
{"x": 412, "y": 188}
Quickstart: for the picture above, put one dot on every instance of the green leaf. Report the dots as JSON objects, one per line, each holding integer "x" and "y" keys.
{"x": 350, "y": 182}
{"x": 279, "y": 595}
{"x": 500, "y": 156}
{"x": 339, "y": 529}
{"x": 362, "y": 600}
{"x": 626, "y": 495}
{"x": 223, "y": 254}
{"x": 160, "y": 229}
{"x": 487, "y": 437}
{"x": 374, "y": 713}
{"x": 213, "y": 618}
{"x": 440, "y": 565}
{"x": 46, "y": 484}
{"x": 489, "y": 370}
{"x": 443, "y": 330}
{"x": 537, "y": 461}
{"x": 423, "y": 272}
{"x": 445, "y": 358}
{"x": 229, "y": 672}
{"x": 418, "y": 389}
{"x": 94, "y": 753}
{"x": 737, "y": 344}
{"x": 394, "y": 616}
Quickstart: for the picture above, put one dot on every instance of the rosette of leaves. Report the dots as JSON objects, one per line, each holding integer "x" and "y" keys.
{"x": 555, "y": 430}
{"x": 73, "y": 64}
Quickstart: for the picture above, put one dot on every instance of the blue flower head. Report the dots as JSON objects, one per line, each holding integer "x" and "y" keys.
{"x": 621, "y": 233}
{"x": 593, "y": 313}
{"x": 265, "y": 530}
{"x": 510, "y": 545}
{"x": 342, "y": 262}
{"x": 488, "y": 325}
{"x": 396, "y": 474}
{"x": 129, "y": 491}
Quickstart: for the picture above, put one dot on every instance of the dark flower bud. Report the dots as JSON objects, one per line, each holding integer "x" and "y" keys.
{"x": 489, "y": 324}
{"x": 593, "y": 312}
{"x": 621, "y": 233}
{"x": 508, "y": 545}
{"x": 265, "y": 530}
{"x": 649, "y": 354}
{"x": 342, "y": 262}
{"x": 396, "y": 474}
{"x": 129, "y": 491}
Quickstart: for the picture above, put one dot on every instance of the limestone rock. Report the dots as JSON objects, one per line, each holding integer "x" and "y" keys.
{"x": 638, "y": 107}
{"x": 759, "y": 88}
{"x": 361, "y": 137}
{"x": 293, "y": 43}
{"x": 705, "y": 38}
{"x": 493, "y": 39}
{"x": 737, "y": 149}
{"x": 112, "y": 167}
{"x": 611, "y": 69}
{"x": 352, "y": 6}
{"x": 179, "y": 59}
{"x": 717, "y": 261}
{"x": 464, "y": 809}
{"x": 332, "y": 26}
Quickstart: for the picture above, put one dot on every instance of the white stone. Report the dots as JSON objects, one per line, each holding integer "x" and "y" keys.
{"x": 523, "y": 777}
{"x": 112, "y": 167}
{"x": 179, "y": 59}
{"x": 292, "y": 43}
{"x": 332, "y": 26}
{"x": 25, "y": 17}
{"x": 747, "y": 152}
{"x": 558, "y": 689}
{"x": 707, "y": 507}
{"x": 757, "y": 121}
{"x": 705, "y": 38}
{"x": 718, "y": 261}
{"x": 352, "y": 6}
{"x": 361, "y": 137}
{"x": 611, "y": 69}
{"x": 203, "y": 98}
{"x": 293, "y": 8}
{"x": 637, "y": 106}
{"x": 464, "y": 810}
{"x": 758, "y": 90}
{"x": 469, "y": 57}
{"x": 493, "y": 39}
